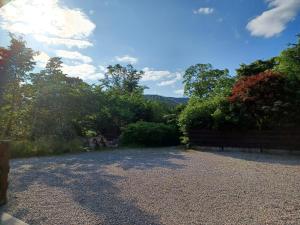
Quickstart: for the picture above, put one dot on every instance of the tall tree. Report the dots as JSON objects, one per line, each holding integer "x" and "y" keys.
{"x": 203, "y": 81}
{"x": 122, "y": 79}
{"x": 58, "y": 102}
{"x": 16, "y": 64}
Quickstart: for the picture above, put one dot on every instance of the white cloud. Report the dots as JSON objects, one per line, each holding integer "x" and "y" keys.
{"x": 103, "y": 70}
{"x": 74, "y": 55}
{"x": 204, "y": 11}
{"x": 41, "y": 59}
{"x": 166, "y": 82}
{"x": 179, "y": 92}
{"x": 86, "y": 72}
{"x": 274, "y": 20}
{"x": 48, "y": 21}
{"x": 175, "y": 77}
{"x": 63, "y": 41}
{"x": 164, "y": 77}
{"x": 127, "y": 59}
{"x": 155, "y": 75}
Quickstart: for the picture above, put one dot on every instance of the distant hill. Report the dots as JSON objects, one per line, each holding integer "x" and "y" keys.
{"x": 167, "y": 100}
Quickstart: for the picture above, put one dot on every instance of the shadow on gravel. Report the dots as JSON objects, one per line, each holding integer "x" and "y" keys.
{"x": 84, "y": 177}
{"x": 283, "y": 159}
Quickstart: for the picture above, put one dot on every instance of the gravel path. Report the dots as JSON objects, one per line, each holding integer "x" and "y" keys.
{"x": 156, "y": 186}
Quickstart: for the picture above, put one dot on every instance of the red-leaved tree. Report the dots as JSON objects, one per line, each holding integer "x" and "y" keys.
{"x": 263, "y": 97}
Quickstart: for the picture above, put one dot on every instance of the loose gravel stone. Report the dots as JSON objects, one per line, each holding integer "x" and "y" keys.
{"x": 156, "y": 186}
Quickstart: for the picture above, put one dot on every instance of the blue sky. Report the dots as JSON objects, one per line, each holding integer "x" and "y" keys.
{"x": 161, "y": 37}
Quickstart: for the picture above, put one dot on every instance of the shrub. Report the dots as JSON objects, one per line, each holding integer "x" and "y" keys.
{"x": 200, "y": 113}
{"x": 23, "y": 148}
{"x": 44, "y": 146}
{"x": 150, "y": 134}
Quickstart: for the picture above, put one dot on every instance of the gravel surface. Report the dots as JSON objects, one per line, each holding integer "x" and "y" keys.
{"x": 156, "y": 186}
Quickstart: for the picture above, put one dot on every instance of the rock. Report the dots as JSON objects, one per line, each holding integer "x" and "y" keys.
{"x": 101, "y": 141}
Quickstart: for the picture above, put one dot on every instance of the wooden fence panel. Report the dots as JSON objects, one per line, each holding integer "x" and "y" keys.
{"x": 4, "y": 169}
{"x": 269, "y": 139}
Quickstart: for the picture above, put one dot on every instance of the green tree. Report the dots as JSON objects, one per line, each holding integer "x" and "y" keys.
{"x": 203, "y": 81}
{"x": 114, "y": 111}
{"x": 289, "y": 61}
{"x": 256, "y": 67}
{"x": 122, "y": 79}
{"x": 4, "y": 77}
{"x": 16, "y": 64}
{"x": 58, "y": 102}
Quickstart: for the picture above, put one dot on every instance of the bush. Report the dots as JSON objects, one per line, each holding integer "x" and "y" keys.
{"x": 150, "y": 134}
{"x": 23, "y": 148}
{"x": 44, "y": 146}
{"x": 200, "y": 113}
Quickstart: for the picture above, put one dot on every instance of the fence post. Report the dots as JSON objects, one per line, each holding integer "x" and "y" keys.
{"x": 4, "y": 170}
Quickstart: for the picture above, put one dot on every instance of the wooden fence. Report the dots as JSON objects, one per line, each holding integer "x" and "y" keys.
{"x": 4, "y": 169}
{"x": 268, "y": 139}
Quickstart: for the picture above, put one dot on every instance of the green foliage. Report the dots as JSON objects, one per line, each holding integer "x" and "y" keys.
{"x": 209, "y": 89}
{"x": 201, "y": 113}
{"x": 15, "y": 64}
{"x": 119, "y": 101}
{"x": 203, "y": 81}
{"x": 113, "y": 111}
{"x": 44, "y": 146}
{"x": 4, "y": 78}
{"x": 47, "y": 112}
{"x": 289, "y": 61}
{"x": 256, "y": 67}
{"x": 259, "y": 98}
{"x": 150, "y": 134}
{"x": 24, "y": 148}
{"x": 122, "y": 79}
{"x": 58, "y": 102}
{"x": 263, "y": 101}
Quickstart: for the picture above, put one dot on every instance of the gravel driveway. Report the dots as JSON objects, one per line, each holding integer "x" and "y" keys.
{"x": 156, "y": 186}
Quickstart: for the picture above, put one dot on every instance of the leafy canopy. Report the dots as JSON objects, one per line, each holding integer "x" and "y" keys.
{"x": 122, "y": 79}
{"x": 256, "y": 67}
{"x": 203, "y": 81}
{"x": 289, "y": 61}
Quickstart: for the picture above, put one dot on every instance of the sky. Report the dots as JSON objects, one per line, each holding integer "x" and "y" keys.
{"x": 161, "y": 37}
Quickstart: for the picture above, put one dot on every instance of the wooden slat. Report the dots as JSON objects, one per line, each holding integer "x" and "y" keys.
{"x": 275, "y": 139}
{"x": 4, "y": 169}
